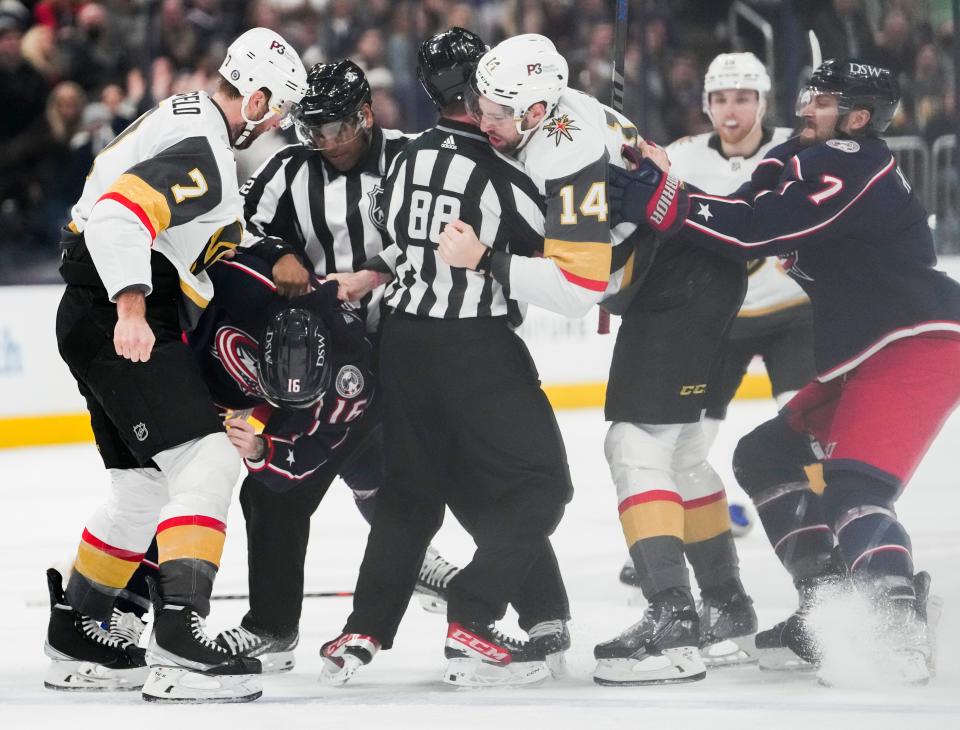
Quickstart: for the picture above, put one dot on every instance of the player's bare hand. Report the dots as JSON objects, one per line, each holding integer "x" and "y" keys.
{"x": 132, "y": 337}
{"x": 353, "y": 286}
{"x": 247, "y": 443}
{"x": 290, "y": 276}
{"x": 655, "y": 154}
{"x": 459, "y": 245}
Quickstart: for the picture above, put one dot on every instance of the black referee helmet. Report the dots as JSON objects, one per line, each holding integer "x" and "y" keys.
{"x": 294, "y": 369}
{"x": 446, "y": 62}
{"x": 331, "y": 112}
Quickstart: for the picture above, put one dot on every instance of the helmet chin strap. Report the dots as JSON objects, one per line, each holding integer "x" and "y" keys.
{"x": 526, "y": 134}
{"x": 249, "y": 124}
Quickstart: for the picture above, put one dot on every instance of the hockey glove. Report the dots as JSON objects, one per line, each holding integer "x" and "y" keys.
{"x": 647, "y": 195}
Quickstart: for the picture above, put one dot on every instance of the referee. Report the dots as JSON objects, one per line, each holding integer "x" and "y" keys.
{"x": 465, "y": 421}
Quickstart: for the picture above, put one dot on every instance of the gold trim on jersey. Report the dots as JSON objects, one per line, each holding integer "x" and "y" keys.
{"x": 153, "y": 203}
{"x": 773, "y": 308}
{"x": 193, "y": 295}
{"x": 586, "y": 259}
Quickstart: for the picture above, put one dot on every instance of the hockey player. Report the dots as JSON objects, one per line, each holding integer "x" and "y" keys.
{"x": 680, "y": 308}
{"x": 160, "y": 205}
{"x": 849, "y": 228}
{"x": 313, "y": 209}
{"x": 313, "y": 429}
{"x": 466, "y": 424}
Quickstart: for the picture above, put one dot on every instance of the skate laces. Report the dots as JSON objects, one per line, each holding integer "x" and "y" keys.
{"x": 553, "y": 627}
{"x": 198, "y": 630}
{"x": 241, "y": 640}
{"x": 127, "y": 627}
{"x": 93, "y": 630}
{"x": 436, "y": 572}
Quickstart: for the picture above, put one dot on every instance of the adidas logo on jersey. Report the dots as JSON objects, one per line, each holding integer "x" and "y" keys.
{"x": 449, "y": 143}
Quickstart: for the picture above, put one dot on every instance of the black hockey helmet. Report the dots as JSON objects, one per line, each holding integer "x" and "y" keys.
{"x": 336, "y": 92}
{"x": 857, "y": 85}
{"x": 446, "y": 62}
{"x": 294, "y": 368}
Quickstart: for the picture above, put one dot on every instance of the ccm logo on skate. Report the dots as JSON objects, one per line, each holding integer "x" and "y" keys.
{"x": 485, "y": 648}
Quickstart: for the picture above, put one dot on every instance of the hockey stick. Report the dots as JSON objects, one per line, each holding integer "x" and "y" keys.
{"x": 306, "y": 594}
{"x": 616, "y": 103}
{"x": 816, "y": 57}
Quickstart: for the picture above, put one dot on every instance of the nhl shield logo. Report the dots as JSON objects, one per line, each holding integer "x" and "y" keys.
{"x": 377, "y": 216}
{"x": 349, "y": 381}
{"x": 140, "y": 431}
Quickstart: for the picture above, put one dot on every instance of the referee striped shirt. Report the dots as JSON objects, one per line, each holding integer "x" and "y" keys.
{"x": 451, "y": 172}
{"x": 334, "y": 219}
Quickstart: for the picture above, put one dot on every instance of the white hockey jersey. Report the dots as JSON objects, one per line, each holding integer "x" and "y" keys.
{"x": 167, "y": 183}
{"x": 699, "y": 161}
{"x": 567, "y": 159}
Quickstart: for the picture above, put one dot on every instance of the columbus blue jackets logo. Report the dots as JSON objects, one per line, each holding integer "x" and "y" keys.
{"x": 560, "y": 128}
{"x": 349, "y": 381}
{"x": 375, "y": 210}
{"x": 237, "y": 352}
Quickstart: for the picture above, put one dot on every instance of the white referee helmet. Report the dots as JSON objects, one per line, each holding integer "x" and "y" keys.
{"x": 522, "y": 71}
{"x": 736, "y": 71}
{"x": 262, "y": 59}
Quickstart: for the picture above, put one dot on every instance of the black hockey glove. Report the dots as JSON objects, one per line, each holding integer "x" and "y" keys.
{"x": 646, "y": 195}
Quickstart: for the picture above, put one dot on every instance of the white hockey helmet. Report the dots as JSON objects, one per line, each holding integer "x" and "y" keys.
{"x": 262, "y": 59}
{"x": 522, "y": 71}
{"x": 736, "y": 71}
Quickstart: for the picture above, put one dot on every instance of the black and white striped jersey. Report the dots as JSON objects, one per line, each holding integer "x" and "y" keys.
{"x": 333, "y": 219}
{"x": 451, "y": 172}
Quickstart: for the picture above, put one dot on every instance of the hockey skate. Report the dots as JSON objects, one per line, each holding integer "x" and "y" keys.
{"x": 343, "y": 656}
{"x": 727, "y": 629}
{"x": 482, "y": 656}
{"x": 661, "y": 648}
{"x": 274, "y": 652}
{"x": 788, "y": 647}
{"x": 435, "y": 574}
{"x": 187, "y": 666}
{"x": 552, "y": 639}
{"x": 85, "y": 656}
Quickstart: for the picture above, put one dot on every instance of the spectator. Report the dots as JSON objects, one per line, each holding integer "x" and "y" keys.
{"x": 39, "y": 49}
{"x": 96, "y": 56}
{"x": 843, "y": 30}
{"x": 339, "y": 31}
{"x": 932, "y": 76}
{"x": 895, "y": 48}
{"x": 56, "y": 14}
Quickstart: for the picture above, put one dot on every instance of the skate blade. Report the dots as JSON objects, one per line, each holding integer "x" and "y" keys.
{"x": 782, "y": 660}
{"x": 431, "y": 603}
{"x": 934, "y": 613}
{"x": 276, "y": 662}
{"x": 337, "y": 675}
{"x": 72, "y": 676}
{"x": 179, "y": 685}
{"x": 737, "y": 651}
{"x": 477, "y": 673}
{"x": 673, "y": 666}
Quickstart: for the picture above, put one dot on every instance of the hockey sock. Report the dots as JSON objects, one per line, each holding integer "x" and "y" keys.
{"x": 769, "y": 464}
{"x": 135, "y": 598}
{"x": 871, "y": 538}
{"x": 708, "y": 541}
{"x": 99, "y": 574}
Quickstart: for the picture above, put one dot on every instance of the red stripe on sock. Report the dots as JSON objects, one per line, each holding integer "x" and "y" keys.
{"x": 196, "y": 520}
{"x": 655, "y": 495}
{"x": 93, "y": 541}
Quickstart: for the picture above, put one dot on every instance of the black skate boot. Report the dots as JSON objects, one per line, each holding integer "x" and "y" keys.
{"x": 85, "y": 656}
{"x": 275, "y": 652}
{"x": 661, "y": 648}
{"x": 435, "y": 574}
{"x": 482, "y": 656}
{"x": 552, "y": 638}
{"x": 180, "y": 652}
{"x": 343, "y": 656}
{"x": 728, "y": 625}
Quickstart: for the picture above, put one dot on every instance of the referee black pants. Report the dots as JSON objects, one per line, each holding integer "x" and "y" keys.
{"x": 466, "y": 425}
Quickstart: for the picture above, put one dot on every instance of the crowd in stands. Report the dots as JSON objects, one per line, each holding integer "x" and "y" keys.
{"x": 74, "y": 73}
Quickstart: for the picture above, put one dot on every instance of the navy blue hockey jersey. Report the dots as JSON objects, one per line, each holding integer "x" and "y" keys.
{"x": 299, "y": 441}
{"x": 848, "y": 227}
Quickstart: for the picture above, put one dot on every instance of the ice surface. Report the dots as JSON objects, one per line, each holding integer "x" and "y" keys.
{"x": 47, "y": 493}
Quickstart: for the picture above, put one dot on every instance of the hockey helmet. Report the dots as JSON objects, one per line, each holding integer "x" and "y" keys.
{"x": 293, "y": 363}
{"x": 520, "y": 72}
{"x": 446, "y": 63}
{"x": 735, "y": 71}
{"x": 856, "y": 85}
{"x": 330, "y": 112}
{"x": 262, "y": 59}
